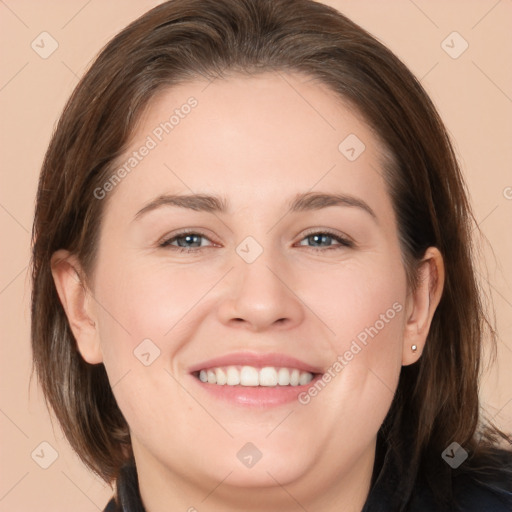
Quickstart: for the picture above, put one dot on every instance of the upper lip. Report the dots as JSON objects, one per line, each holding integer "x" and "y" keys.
{"x": 257, "y": 360}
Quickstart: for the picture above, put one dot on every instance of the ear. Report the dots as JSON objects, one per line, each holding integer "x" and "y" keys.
{"x": 78, "y": 304}
{"x": 422, "y": 304}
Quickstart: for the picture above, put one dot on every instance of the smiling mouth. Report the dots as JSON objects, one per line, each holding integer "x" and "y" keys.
{"x": 250, "y": 376}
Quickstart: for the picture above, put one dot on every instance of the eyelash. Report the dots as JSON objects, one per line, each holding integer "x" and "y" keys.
{"x": 343, "y": 242}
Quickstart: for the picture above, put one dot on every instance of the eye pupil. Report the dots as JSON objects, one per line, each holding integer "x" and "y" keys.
{"x": 187, "y": 239}
{"x": 318, "y": 238}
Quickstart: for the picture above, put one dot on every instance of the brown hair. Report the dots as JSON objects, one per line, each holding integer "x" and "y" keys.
{"x": 437, "y": 398}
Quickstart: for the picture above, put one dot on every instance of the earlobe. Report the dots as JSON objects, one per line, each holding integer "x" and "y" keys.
{"x": 76, "y": 300}
{"x": 422, "y": 305}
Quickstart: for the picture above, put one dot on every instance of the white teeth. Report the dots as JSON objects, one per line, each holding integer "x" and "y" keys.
{"x": 233, "y": 376}
{"x": 221, "y": 376}
{"x": 283, "y": 377}
{"x": 305, "y": 378}
{"x": 251, "y": 376}
{"x": 268, "y": 376}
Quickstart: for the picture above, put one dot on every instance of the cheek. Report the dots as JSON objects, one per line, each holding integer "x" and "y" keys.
{"x": 139, "y": 302}
{"x": 143, "y": 323}
{"x": 358, "y": 302}
{"x": 363, "y": 306}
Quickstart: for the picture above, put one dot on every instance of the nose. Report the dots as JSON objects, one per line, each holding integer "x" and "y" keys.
{"x": 260, "y": 295}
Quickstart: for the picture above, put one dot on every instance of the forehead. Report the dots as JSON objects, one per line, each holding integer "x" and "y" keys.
{"x": 251, "y": 138}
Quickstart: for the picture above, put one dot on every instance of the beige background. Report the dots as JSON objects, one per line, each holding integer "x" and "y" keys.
{"x": 473, "y": 93}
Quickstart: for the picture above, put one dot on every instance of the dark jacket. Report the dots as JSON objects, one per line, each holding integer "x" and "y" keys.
{"x": 492, "y": 495}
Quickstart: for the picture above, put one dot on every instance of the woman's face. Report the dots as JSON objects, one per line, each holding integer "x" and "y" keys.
{"x": 290, "y": 270}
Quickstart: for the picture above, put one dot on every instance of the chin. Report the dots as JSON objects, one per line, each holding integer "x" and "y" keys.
{"x": 261, "y": 463}
{"x": 275, "y": 469}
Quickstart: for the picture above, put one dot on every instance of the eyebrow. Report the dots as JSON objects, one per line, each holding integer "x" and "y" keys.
{"x": 307, "y": 201}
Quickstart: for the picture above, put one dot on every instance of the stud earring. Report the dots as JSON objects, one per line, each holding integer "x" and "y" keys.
{"x": 414, "y": 348}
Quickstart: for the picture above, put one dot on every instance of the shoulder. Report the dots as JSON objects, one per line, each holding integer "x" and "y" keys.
{"x": 469, "y": 495}
{"x": 483, "y": 485}
{"x": 475, "y": 496}
{"x": 489, "y": 486}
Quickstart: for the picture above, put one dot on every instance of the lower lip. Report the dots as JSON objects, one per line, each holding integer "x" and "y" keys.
{"x": 256, "y": 396}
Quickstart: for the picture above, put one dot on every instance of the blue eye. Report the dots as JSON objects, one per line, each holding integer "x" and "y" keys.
{"x": 188, "y": 242}
{"x": 320, "y": 237}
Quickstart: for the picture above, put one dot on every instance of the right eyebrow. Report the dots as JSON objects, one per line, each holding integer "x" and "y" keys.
{"x": 197, "y": 202}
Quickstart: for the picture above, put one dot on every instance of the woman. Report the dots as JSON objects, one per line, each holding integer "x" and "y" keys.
{"x": 253, "y": 284}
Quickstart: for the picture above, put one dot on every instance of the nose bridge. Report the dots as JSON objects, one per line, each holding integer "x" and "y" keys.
{"x": 259, "y": 294}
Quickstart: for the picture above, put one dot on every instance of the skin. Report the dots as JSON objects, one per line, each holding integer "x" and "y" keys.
{"x": 257, "y": 141}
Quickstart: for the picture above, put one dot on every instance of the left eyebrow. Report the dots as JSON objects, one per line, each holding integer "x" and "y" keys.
{"x": 317, "y": 200}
